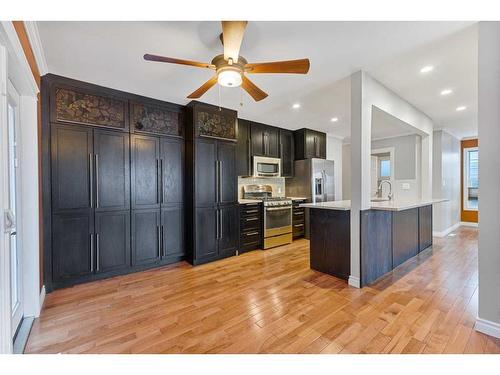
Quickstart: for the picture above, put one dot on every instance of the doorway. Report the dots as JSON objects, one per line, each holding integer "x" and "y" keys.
{"x": 14, "y": 246}
{"x": 469, "y": 180}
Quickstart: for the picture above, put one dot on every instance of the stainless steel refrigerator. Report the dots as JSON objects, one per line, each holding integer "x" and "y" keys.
{"x": 313, "y": 180}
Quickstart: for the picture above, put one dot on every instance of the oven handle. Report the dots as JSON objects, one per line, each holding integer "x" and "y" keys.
{"x": 278, "y": 208}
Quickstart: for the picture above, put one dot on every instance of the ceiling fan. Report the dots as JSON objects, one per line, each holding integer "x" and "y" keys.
{"x": 231, "y": 68}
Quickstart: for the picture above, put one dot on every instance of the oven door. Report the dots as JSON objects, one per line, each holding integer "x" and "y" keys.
{"x": 277, "y": 221}
{"x": 266, "y": 167}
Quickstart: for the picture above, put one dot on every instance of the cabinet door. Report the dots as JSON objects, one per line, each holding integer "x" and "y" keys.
{"x": 112, "y": 166}
{"x": 205, "y": 174}
{"x": 145, "y": 237}
{"x": 227, "y": 178}
{"x": 321, "y": 145}
{"x": 172, "y": 225}
{"x": 72, "y": 164}
{"x": 172, "y": 170}
{"x": 286, "y": 153}
{"x": 257, "y": 139}
{"x": 206, "y": 233}
{"x": 271, "y": 137}
{"x": 310, "y": 148}
{"x": 404, "y": 235}
{"x": 145, "y": 165}
{"x": 424, "y": 227}
{"x": 243, "y": 151}
{"x": 228, "y": 229}
{"x": 112, "y": 237}
{"x": 72, "y": 245}
{"x": 157, "y": 119}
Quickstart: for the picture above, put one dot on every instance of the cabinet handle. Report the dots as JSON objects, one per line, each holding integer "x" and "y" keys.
{"x": 252, "y": 219}
{"x": 91, "y": 252}
{"x": 220, "y": 181}
{"x": 217, "y": 181}
{"x": 159, "y": 241}
{"x": 162, "y": 249}
{"x": 161, "y": 181}
{"x": 217, "y": 225}
{"x": 252, "y": 211}
{"x": 220, "y": 226}
{"x": 251, "y": 233}
{"x": 157, "y": 182}
{"x": 97, "y": 250}
{"x": 299, "y": 213}
{"x": 97, "y": 180}
{"x": 249, "y": 157}
{"x": 91, "y": 180}
{"x": 298, "y": 225}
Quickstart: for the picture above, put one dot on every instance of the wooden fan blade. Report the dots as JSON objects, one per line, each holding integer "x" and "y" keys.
{"x": 203, "y": 88}
{"x": 256, "y": 93}
{"x": 291, "y": 66}
{"x": 171, "y": 60}
{"x": 232, "y": 36}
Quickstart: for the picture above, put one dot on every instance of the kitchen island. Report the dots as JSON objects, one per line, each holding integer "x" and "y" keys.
{"x": 391, "y": 232}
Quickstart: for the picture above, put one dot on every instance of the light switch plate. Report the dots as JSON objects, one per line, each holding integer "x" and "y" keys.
{"x": 405, "y": 186}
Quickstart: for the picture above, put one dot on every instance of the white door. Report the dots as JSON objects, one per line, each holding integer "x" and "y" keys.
{"x": 13, "y": 208}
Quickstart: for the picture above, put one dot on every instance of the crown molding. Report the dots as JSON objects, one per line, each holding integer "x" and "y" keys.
{"x": 36, "y": 45}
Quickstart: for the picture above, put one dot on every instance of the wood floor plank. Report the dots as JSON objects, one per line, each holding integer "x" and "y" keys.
{"x": 272, "y": 302}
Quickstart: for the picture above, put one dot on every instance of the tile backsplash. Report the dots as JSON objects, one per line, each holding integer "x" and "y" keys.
{"x": 277, "y": 183}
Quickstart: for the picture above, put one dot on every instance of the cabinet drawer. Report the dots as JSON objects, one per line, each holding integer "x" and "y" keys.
{"x": 250, "y": 237}
{"x": 250, "y": 222}
{"x": 298, "y": 230}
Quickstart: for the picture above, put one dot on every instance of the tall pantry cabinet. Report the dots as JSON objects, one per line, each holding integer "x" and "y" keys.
{"x": 112, "y": 182}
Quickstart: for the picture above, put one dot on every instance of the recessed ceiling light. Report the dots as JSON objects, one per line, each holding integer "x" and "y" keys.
{"x": 446, "y": 92}
{"x": 296, "y": 105}
{"x": 461, "y": 108}
{"x": 427, "y": 69}
{"x": 334, "y": 119}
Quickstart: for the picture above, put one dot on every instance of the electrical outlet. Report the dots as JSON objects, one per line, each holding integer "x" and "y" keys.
{"x": 405, "y": 186}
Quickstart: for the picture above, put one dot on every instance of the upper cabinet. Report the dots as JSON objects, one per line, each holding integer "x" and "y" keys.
{"x": 212, "y": 121}
{"x": 286, "y": 152}
{"x": 309, "y": 144}
{"x": 148, "y": 117}
{"x": 80, "y": 106}
{"x": 265, "y": 140}
{"x": 243, "y": 149}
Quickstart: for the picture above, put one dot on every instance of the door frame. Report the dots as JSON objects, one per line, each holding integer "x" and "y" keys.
{"x": 15, "y": 67}
{"x": 470, "y": 216}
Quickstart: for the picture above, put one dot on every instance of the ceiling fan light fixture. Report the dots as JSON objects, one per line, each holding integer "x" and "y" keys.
{"x": 228, "y": 77}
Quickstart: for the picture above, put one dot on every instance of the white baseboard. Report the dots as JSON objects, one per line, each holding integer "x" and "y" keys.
{"x": 42, "y": 300}
{"x": 487, "y": 327}
{"x": 354, "y": 281}
{"x": 469, "y": 224}
{"x": 447, "y": 231}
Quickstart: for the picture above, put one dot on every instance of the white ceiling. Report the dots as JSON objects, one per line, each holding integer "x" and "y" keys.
{"x": 110, "y": 54}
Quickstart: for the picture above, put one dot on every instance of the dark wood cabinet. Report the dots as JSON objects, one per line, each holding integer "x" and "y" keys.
{"x": 228, "y": 229}
{"x": 286, "y": 152}
{"x": 251, "y": 218}
{"x": 146, "y": 234}
{"x": 206, "y": 120}
{"x": 112, "y": 170}
{"x": 404, "y": 236}
{"x": 309, "y": 144}
{"x": 72, "y": 167}
{"x": 172, "y": 233}
{"x": 206, "y": 165}
{"x": 155, "y": 118}
{"x": 112, "y": 240}
{"x": 172, "y": 170}
{"x": 424, "y": 227}
{"x": 243, "y": 149}
{"x": 298, "y": 219}
{"x": 264, "y": 140}
{"x": 145, "y": 152}
{"x": 206, "y": 234}
{"x": 227, "y": 179}
{"x": 72, "y": 245}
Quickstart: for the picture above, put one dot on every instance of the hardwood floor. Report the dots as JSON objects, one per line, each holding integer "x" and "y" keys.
{"x": 271, "y": 302}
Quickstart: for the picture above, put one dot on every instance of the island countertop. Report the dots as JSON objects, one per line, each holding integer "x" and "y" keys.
{"x": 392, "y": 205}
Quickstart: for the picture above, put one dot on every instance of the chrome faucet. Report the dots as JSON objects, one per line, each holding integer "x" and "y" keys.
{"x": 379, "y": 189}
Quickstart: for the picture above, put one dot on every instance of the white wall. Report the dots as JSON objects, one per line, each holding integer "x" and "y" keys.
{"x": 489, "y": 175}
{"x": 445, "y": 182}
{"x": 334, "y": 152}
{"x": 346, "y": 171}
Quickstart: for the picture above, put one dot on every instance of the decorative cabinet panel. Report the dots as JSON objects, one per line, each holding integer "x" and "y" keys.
{"x": 150, "y": 118}
{"x": 75, "y": 105}
{"x": 212, "y": 121}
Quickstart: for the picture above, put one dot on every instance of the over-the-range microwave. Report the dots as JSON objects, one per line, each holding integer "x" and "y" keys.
{"x": 266, "y": 167}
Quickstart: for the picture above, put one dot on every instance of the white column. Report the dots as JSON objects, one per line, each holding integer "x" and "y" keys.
{"x": 488, "y": 320}
{"x": 360, "y": 167}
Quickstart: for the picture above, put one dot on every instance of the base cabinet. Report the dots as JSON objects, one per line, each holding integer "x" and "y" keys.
{"x": 404, "y": 236}
{"x": 145, "y": 237}
{"x": 206, "y": 234}
{"x": 229, "y": 231}
{"x": 112, "y": 240}
{"x": 172, "y": 233}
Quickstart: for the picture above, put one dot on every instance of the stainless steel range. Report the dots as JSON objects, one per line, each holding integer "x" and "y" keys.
{"x": 277, "y": 215}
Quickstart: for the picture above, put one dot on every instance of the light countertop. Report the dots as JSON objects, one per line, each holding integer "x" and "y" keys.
{"x": 297, "y": 198}
{"x": 393, "y": 205}
{"x": 245, "y": 201}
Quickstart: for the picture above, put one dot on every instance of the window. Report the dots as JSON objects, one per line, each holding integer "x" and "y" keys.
{"x": 384, "y": 168}
{"x": 471, "y": 178}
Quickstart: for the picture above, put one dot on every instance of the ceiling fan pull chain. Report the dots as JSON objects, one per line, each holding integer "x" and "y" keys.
{"x": 220, "y": 109}
{"x": 241, "y": 97}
